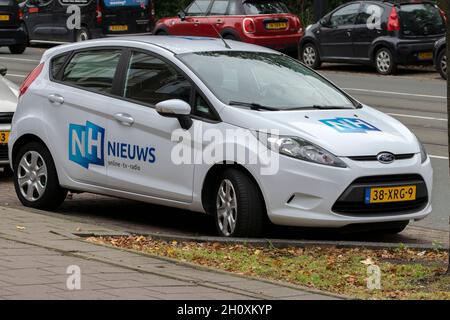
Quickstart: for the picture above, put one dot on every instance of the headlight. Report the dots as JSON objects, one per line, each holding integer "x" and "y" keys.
{"x": 304, "y": 150}
{"x": 423, "y": 153}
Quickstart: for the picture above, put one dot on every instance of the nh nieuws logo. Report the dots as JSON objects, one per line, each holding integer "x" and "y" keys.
{"x": 86, "y": 144}
{"x": 349, "y": 125}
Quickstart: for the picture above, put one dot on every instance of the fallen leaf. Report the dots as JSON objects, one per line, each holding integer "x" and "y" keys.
{"x": 20, "y": 228}
{"x": 367, "y": 262}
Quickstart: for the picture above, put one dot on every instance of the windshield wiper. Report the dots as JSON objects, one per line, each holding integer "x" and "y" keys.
{"x": 320, "y": 107}
{"x": 252, "y": 105}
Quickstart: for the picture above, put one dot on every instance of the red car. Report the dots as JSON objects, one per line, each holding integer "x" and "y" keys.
{"x": 263, "y": 22}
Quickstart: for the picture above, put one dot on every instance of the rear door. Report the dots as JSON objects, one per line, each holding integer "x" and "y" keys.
{"x": 79, "y": 100}
{"x": 195, "y": 22}
{"x": 370, "y": 24}
{"x": 126, "y": 16}
{"x": 336, "y": 37}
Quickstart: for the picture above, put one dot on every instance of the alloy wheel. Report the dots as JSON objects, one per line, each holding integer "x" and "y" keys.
{"x": 383, "y": 61}
{"x": 309, "y": 56}
{"x": 32, "y": 176}
{"x": 444, "y": 64}
{"x": 226, "y": 205}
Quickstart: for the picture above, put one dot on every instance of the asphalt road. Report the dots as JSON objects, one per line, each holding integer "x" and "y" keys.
{"x": 416, "y": 97}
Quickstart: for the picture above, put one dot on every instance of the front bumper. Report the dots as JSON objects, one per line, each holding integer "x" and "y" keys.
{"x": 10, "y": 37}
{"x": 304, "y": 194}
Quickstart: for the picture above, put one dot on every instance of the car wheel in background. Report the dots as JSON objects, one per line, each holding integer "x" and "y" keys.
{"x": 7, "y": 172}
{"x": 442, "y": 64}
{"x": 35, "y": 178}
{"x": 239, "y": 207}
{"x": 384, "y": 62}
{"x": 82, "y": 34}
{"x": 161, "y": 32}
{"x": 310, "y": 56}
{"x": 229, "y": 36}
{"x": 18, "y": 48}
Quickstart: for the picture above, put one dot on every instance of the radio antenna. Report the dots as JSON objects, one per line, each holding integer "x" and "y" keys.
{"x": 182, "y": 16}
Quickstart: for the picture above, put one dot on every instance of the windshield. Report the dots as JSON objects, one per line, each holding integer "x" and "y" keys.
{"x": 421, "y": 20}
{"x": 255, "y": 7}
{"x": 125, "y": 3}
{"x": 267, "y": 79}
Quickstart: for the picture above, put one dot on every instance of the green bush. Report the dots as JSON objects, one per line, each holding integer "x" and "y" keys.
{"x": 302, "y": 8}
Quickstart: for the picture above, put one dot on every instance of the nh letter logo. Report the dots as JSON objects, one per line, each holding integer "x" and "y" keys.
{"x": 86, "y": 144}
{"x": 352, "y": 125}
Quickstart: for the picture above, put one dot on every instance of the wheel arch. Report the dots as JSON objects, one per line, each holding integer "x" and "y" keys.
{"x": 229, "y": 31}
{"x": 212, "y": 177}
{"x": 23, "y": 140}
{"x": 377, "y": 46}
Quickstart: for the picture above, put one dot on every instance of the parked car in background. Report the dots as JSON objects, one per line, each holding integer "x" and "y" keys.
{"x": 46, "y": 20}
{"x": 263, "y": 22}
{"x": 440, "y": 57}
{"x": 380, "y": 33}
{"x": 9, "y": 93}
{"x": 12, "y": 34}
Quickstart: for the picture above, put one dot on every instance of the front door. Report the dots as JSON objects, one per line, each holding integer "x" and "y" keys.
{"x": 335, "y": 37}
{"x": 139, "y": 146}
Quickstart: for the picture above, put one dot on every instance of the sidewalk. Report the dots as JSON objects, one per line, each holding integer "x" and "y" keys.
{"x": 36, "y": 250}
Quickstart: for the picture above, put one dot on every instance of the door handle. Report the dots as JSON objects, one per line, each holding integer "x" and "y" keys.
{"x": 196, "y": 23}
{"x": 124, "y": 119}
{"x": 56, "y": 98}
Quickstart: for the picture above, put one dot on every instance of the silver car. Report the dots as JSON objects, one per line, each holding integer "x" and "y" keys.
{"x": 9, "y": 93}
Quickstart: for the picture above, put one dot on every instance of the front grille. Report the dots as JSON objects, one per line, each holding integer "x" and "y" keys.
{"x": 3, "y": 152}
{"x": 374, "y": 158}
{"x": 6, "y": 117}
{"x": 351, "y": 202}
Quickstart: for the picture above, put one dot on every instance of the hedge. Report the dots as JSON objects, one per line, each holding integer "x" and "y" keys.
{"x": 303, "y": 8}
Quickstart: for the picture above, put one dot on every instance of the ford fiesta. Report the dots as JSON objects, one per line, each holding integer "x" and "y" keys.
{"x": 161, "y": 120}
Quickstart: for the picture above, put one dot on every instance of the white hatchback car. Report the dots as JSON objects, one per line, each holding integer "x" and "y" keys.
{"x": 237, "y": 131}
{"x": 9, "y": 93}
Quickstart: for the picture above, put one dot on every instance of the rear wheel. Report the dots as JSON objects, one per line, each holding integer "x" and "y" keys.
{"x": 442, "y": 64}
{"x": 35, "y": 178}
{"x": 18, "y": 48}
{"x": 230, "y": 37}
{"x": 82, "y": 34}
{"x": 162, "y": 32}
{"x": 239, "y": 209}
{"x": 310, "y": 56}
{"x": 384, "y": 62}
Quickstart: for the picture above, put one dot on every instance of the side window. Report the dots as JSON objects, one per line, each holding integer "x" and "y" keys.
{"x": 151, "y": 80}
{"x": 219, "y": 8}
{"x": 345, "y": 16}
{"x": 56, "y": 64}
{"x": 234, "y": 8}
{"x": 198, "y": 8}
{"x": 369, "y": 13}
{"x": 93, "y": 70}
{"x": 202, "y": 109}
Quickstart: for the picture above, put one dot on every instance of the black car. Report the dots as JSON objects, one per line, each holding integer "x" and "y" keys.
{"x": 12, "y": 34}
{"x": 440, "y": 57}
{"x": 380, "y": 33}
{"x": 52, "y": 20}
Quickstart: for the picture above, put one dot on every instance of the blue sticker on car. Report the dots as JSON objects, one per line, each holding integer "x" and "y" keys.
{"x": 86, "y": 144}
{"x": 349, "y": 125}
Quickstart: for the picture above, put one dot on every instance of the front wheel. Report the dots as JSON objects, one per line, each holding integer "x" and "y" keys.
{"x": 384, "y": 62}
{"x": 442, "y": 64}
{"x": 82, "y": 35}
{"x": 18, "y": 48}
{"x": 239, "y": 210}
{"x": 35, "y": 178}
{"x": 310, "y": 56}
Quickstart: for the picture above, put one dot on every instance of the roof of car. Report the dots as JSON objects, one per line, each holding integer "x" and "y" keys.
{"x": 175, "y": 44}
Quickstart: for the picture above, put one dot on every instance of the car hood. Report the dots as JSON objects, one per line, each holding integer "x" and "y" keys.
{"x": 353, "y": 132}
{"x": 9, "y": 94}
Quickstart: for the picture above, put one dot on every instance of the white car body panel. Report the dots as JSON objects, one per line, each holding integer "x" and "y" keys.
{"x": 314, "y": 188}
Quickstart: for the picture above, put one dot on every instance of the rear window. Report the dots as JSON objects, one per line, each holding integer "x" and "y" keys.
{"x": 421, "y": 20}
{"x": 4, "y": 3}
{"x": 255, "y": 7}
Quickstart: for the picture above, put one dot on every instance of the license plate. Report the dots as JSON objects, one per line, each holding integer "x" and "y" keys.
{"x": 390, "y": 194}
{"x": 426, "y": 55}
{"x": 276, "y": 25}
{"x": 4, "y": 137}
{"x": 118, "y": 28}
{"x": 4, "y": 18}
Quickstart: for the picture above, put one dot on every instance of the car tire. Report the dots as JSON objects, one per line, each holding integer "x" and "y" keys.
{"x": 310, "y": 56}
{"x": 35, "y": 178}
{"x": 238, "y": 205}
{"x": 442, "y": 64}
{"x": 82, "y": 34}
{"x": 384, "y": 62}
{"x": 229, "y": 36}
{"x": 18, "y": 48}
{"x": 161, "y": 32}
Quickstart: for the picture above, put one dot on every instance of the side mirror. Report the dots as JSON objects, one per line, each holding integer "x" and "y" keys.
{"x": 182, "y": 15}
{"x": 176, "y": 108}
{"x": 3, "y": 70}
{"x": 325, "y": 21}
